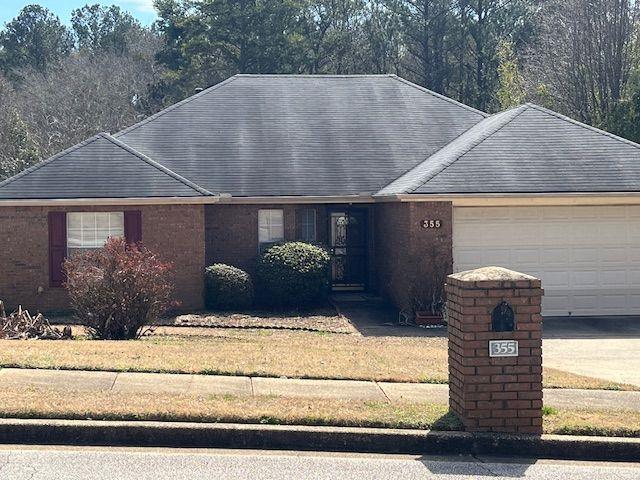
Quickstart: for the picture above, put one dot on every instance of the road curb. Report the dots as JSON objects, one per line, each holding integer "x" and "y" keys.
{"x": 340, "y": 439}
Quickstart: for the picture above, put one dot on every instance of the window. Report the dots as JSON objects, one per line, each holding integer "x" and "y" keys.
{"x": 308, "y": 225}
{"x": 90, "y": 230}
{"x": 270, "y": 227}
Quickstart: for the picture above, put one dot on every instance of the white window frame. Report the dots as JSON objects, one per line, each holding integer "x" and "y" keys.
{"x": 270, "y": 226}
{"x": 309, "y": 226}
{"x": 91, "y": 230}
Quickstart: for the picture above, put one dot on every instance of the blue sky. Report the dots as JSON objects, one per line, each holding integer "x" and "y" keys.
{"x": 141, "y": 9}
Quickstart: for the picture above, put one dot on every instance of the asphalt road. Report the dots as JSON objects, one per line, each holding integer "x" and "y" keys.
{"x": 70, "y": 463}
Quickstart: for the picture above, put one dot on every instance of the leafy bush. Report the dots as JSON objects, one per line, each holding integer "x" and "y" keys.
{"x": 117, "y": 290}
{"x": 293, "y": 274}
{"x": 227, "y": 287}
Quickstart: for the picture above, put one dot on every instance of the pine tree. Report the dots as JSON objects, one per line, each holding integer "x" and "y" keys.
{"x": 17, "y": 149}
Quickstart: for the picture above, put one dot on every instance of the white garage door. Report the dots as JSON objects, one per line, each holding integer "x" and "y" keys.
{"x": 588, "y": 258}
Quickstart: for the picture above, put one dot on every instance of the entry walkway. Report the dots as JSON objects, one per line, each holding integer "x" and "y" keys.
{"x": 162, "y": 383}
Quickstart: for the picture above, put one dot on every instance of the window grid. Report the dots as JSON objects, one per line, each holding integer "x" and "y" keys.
{"x": 270, "y": 226}
{"x": 308, "y": 225}
{"x": 91, "y": 230}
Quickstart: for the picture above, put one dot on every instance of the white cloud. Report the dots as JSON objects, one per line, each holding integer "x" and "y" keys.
{"x": 145, "y": 6}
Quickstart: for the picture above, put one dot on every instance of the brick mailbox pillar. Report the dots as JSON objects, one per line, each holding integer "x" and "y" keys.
{"x": 495, "y": 350}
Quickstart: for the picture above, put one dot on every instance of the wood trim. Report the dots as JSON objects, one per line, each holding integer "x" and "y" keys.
{"x": 520, "y": 200}
{"x": 460, "y": 200}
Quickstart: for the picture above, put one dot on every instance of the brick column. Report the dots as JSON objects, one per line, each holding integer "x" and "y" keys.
{"x": 495, "y": 393}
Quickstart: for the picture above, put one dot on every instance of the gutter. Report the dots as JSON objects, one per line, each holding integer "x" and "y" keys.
{"x": 457, "y": 200}
{"x": 88, "y": 202}
{"x": 521, "y": 199}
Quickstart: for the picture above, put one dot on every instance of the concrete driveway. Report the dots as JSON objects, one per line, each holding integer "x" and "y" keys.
{"x": 600, "y": 347}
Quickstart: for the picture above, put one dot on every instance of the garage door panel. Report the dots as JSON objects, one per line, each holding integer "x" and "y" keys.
{"x": 583, "y": 255}
{"x": 555, "y": 280}
{"x": 634, "y": 277}
{"x": 556, "y": 304}
{"x": 582, "y": 302}
{"x": 555, "y": 256}
{"x": 522, "y": 256}
{"x": 588, "y": 258}
{"x": 633, "y": 255}
{"x": 612, "y": 233}
{"x": 583, "y": 279}
{"x": 634, "y": 301}
{"x": 613, "y": 255}
{"x": 614, "y": 278}
{"x": 553, "y": 233}
{"x": 633, "y": 231}
{"x": 497, "y": 256}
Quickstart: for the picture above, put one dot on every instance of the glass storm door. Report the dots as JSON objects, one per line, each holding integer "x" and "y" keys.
{"x": 348, "y": 247}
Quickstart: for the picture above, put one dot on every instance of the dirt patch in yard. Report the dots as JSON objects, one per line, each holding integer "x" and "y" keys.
{"x": 324, "y": 320}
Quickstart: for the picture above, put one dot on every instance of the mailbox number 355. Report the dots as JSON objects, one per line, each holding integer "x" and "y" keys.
{"x": 503, "y": 348}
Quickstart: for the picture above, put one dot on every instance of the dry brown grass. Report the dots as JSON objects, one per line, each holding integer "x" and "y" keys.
{"x": 560, "y": 379}
{"x": 36, "y": 402}
{"x": 612, "y": 423}
{"x": 245, "y": 352}
{"x": 295, "y": 354}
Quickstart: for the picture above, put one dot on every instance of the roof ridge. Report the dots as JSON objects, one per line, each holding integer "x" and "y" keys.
{"x": 156, "y": 165}
{"x": 174, "y": 106}
{"x": 315, "y": 75}
{"x": 438, "y": 95}
{"x": 581, "y": 124}
{"x": 426, "y": 171}
{"x": 47, "y": 161}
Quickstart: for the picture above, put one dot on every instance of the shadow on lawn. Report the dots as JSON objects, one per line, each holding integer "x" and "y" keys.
{"x": 374, "y": 317}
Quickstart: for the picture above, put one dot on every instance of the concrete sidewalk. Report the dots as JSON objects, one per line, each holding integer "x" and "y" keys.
{"x": 162, "y": 383}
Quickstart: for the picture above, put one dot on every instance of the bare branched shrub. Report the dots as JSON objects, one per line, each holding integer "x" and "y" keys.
{"x": 117, "y": 290}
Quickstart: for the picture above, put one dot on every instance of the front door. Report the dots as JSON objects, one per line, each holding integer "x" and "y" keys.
{"x": 348, "y": 247}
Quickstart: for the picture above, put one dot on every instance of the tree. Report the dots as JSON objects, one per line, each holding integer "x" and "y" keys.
{"x": 17, "y": 149}
{"x": 86, "y": 94}
{"x": 584, "y": 56}
{"x": 427, "y": 30}
{"x": 334, "y": 36}
{"x": 382, "y": 39}
{"x": 453, "y": 45}
{"x": 209, "y": 40}
{"x": 485, "y": 24}
{"x": 99, "y": 28}
{"x": 34, "y": 39}
{"x": 512, "y": 86}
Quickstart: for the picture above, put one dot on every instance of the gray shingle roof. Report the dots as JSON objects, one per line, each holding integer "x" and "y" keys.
{"x": 263, "y": 135}
{"x": 101, "y": 166}
{"x": 288, "y": 135}
{"x": 527, "y": 149}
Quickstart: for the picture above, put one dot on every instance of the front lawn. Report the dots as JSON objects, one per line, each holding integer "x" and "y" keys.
{"x": 261, "y": 352}
{"x": 39, "y": 402}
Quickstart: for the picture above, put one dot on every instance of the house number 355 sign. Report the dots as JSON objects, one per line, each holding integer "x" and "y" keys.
{"x": 431, "y": 223}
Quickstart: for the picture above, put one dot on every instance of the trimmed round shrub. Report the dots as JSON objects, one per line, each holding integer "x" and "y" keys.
{"x": 293, "y": 274}
{"x": 227, "y": 287}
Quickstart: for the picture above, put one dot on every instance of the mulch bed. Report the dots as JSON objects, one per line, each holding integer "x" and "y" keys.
{"x": 324, "y": 320}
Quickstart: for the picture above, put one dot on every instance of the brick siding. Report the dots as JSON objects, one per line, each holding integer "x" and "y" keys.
{"x": 499, "y": 394}
{"x": 175, "y": 232}
{"x": 232, "y": 231}
{"x": 405, "y": 250}
{"x": 192, "y": 236}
